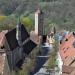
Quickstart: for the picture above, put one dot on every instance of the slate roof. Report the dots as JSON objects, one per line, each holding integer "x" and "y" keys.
{"x": 29, "y": 46}
{"x": 11, "y": 39}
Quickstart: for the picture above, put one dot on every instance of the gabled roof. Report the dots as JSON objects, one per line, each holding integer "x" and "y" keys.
{"x": 11, "y": 37}
{"x": 67, "y": 49}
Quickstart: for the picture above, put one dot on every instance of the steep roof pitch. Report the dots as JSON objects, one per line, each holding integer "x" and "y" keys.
{"x": 67, "y": 49}
{"x": 29, "y": 46}
{"x": 11, "y": 37}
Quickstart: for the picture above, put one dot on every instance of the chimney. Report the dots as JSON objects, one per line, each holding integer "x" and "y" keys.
{"x": 39, "y": 22}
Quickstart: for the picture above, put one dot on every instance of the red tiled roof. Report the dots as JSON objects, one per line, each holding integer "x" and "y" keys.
{"x": 67, "y": 50}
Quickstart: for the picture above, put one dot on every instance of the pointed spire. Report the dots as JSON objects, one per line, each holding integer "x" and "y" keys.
{"x": 19, "y": 21}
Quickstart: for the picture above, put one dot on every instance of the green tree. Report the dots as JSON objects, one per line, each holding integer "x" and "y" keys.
{"x": 28, "y": 23}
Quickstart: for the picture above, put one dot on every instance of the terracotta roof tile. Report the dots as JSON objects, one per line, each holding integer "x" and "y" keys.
{"x": 67, "y": 50}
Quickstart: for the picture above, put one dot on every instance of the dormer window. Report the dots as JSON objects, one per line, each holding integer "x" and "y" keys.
{"x": 66, "y": 39}
{"x": 2, "y": 47}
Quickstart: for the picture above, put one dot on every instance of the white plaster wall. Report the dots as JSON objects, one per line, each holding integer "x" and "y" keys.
{"x": 36, "y": 23}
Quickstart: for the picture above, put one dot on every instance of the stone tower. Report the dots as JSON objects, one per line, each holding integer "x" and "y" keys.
{"x": 39, "y": 22}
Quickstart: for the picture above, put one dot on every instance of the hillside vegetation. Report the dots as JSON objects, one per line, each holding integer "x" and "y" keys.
{"x": 59, "y": 12}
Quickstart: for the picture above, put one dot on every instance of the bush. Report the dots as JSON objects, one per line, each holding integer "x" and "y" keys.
{"x": 28, "y": 23}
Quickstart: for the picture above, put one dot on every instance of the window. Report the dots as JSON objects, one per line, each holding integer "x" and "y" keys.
{"x": 66, "y": 39}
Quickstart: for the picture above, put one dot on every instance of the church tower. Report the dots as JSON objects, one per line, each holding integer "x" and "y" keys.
{"x": 39, "y": 22}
